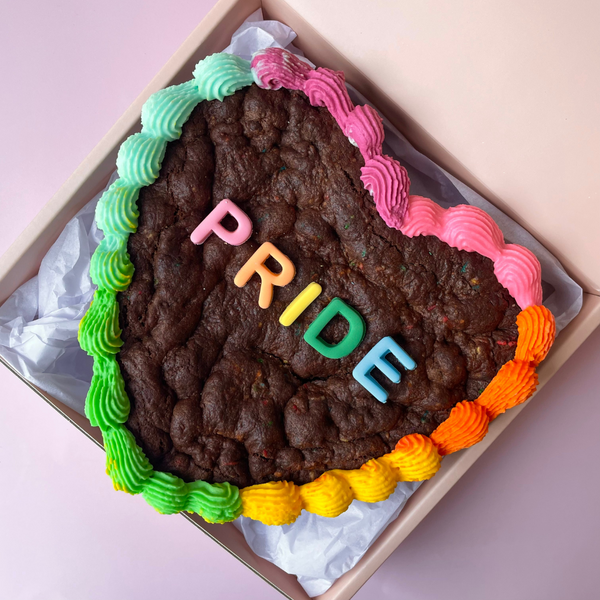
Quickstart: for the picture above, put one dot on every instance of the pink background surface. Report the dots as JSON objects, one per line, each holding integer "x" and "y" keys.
{"x": 523, "y": 523}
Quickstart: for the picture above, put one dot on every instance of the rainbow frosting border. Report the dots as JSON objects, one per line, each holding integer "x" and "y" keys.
{"x": 416, "y": 457}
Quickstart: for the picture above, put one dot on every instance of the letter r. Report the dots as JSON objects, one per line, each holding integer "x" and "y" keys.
{"x": 375, "y": 357}
{"x": 255, "y": 264}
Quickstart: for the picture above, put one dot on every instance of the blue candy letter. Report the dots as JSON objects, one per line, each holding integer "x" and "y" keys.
{"x": 376, "y": 358}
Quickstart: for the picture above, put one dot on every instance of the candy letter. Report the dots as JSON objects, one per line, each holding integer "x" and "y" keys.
{"x": 375, "y": 357}
{"x": 255, "y": 264}
{"x": 213, "y": 223}
{"x": 353, "y": 338}
{"x": 300, "y": 303}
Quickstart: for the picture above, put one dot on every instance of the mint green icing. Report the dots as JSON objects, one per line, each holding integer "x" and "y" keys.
{"x": 165, "y": 112}
{"x": 117, "y": 211}
{"x": 220, "y": 75}
{"x": 107, "y": 405}
{"x": 140, "y": 157}
{"x": 110, "y": 267}
{"x": 99, "y": 331}
{"x": 126, "y": 463}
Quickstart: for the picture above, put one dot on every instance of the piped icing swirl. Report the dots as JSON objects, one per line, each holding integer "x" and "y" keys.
{"x": 415, "y": 458}
{"x": 467, "y": 425}
{"x": 107, "y": 403}
{"x": 388, "y": 181}
{"x": 273, "y": 503}
{"x": 99, "y": 331}
{"x": 110, "y": 267}
{"x": 470, "y": 228}
{"x": 126, "y": 464}
{"x": 117, "y": 209}
{"x": 537, "y": 330}
{"x": 327, "y": 88}
{"x": 329, "y": 495}
{"x": 373, "y": 482}
{"x": 273, "y": 69}
{"x": 165, "y": 112}
{"x": 514, "y": 383}
{"x": 364, "y": 128}
{"x": 140, "y": 158}
{"x": 220, "y": 75}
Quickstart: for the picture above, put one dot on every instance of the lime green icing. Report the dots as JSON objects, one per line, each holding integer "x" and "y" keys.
{"x": 166, "y": 493}
{"x": 117, "y": 209}
{"x": 220, "y": 75}
{"x": 215, "y": 503}
{"x": 99, "y": 331}
{"x": 107, "y": 405}
{"x": 126, "y": 463}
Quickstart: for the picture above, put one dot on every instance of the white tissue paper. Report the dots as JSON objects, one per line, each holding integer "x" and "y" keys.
{"x": 39, "y": 322}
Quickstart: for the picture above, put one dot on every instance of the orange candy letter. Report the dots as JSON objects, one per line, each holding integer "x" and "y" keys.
{"x": 255, "y": 264}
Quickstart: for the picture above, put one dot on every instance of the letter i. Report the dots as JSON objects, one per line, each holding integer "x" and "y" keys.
{"x": 300, "y": 303}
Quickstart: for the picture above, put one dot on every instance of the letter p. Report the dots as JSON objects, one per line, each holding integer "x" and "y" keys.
{"x": 212, "y": 223}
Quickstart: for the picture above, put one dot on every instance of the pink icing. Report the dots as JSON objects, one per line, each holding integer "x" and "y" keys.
{"x": 470, "y": 228}
{"x": 274, "y": 68}
{"x": 212, "y": 223}
{"x": 365, "y": 129}
{"x": 465, "y": 227}
{"x": 388, "y": 182}
{"x": 325, "y": 87}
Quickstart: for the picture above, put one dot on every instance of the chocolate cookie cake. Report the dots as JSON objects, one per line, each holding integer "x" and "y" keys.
{"x": 219, "y": 389}
{"x": 212, "y": 392}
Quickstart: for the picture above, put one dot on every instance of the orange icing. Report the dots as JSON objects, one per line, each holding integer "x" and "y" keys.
{"x": 466, "y": 425}
{"x": 415, "y": 458}
{"x": 514, "y": 383}
{"x": 273, "y": 503}
{"x": 329, "y": 495}
{"x": 537, "y": 330}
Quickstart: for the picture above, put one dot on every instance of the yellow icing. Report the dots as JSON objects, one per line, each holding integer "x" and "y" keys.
{"x": 329, "y": 495}
{"x": 415, "y": 458}
{"x": 373, "y": 482}
{"x": 273, "y": 503}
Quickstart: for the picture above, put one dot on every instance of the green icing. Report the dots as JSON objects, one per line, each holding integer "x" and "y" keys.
{"x": 110, "y": 267}
{"x": 166, "y": 493}
{"x": 140, "y": 157}
{"x": 126, "y": 464}
{"x": 99, "y": 331}
{"x": 215, "y": 503}
{"x": 220, "y": 75}
{"x": 117, "y": 211}
{"x": 165, "y": 112}
{"x": 107, "y": 405}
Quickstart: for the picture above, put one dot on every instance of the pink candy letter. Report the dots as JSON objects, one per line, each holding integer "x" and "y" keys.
{"x": 213, "y": 223}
